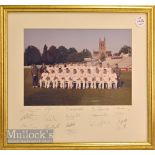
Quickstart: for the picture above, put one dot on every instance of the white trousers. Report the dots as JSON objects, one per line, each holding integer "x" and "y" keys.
{"x": 114, "y": 82}
{"x": 107, "y": 84}
{"x": 41, "y": 81}
{"x": 89, "y": 83}
{"x": 68, "y": 83}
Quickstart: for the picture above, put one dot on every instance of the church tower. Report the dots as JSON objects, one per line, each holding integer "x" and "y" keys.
{"x": 102, "y": 46}
{"x": 102, "y": 51}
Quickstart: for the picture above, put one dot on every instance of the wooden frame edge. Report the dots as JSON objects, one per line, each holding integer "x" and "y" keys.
{"x": 1, "y": 77}
{"x": 153, "y": 81}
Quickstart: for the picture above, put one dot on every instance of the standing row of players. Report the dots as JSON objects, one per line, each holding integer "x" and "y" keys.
{"x": 79, "y": 76}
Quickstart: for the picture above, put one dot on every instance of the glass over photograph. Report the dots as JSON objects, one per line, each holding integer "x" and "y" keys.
{"x": 77, "y": 67}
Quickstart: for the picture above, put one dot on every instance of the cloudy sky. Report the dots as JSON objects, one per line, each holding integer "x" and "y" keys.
{"x": 78, "y": 38}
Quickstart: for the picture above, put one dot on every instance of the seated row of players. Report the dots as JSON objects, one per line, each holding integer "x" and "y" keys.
{"x": 78, "y": 77}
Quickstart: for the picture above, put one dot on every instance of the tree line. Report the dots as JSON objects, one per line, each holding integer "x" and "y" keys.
{"x": 125, "y": 50}
{"x": 53, "y": 55}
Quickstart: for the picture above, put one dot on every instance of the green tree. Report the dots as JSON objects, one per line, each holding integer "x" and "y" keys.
{"x": 75, "y": 56}
{"x": 72, "y": 50}
{"x": 62, "y": 54}
{"x": 86, "y": 53}
{"x": 72, "y": 54}
{"x": 51, "y": 55}
{"x": 72, "y": 57}
{"x": 125, "y": 50}
{"x": 32, "y": 55}
{"x": 44, "y": 54}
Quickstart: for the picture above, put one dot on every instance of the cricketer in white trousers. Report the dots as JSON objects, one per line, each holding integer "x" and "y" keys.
{"x": 68, "y": 81}
{"x": 113, "y": 80}
{"x": 51, "y": 81}
{"x": 88, "y": 80}
{"x": 43, "y": 80}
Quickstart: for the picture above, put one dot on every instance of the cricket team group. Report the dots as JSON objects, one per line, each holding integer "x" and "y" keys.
{"x": 76, "y": 76}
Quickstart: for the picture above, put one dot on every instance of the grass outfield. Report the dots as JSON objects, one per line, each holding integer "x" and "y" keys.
{"x": 43, "y": 97}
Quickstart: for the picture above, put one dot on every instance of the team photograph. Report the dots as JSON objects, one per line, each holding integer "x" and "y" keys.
{"x": 77, "y": 67}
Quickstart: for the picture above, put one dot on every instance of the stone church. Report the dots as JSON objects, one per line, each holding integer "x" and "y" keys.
{"x": 102, "y": 50}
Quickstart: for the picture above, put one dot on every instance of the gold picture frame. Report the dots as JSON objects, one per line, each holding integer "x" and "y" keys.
{"x": 150, "y": 13}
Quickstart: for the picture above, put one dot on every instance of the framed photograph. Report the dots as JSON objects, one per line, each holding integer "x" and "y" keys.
{"x": 76, "y": 77}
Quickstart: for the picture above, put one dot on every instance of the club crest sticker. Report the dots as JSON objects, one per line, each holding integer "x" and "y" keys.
{"x": 140, "y": 21}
